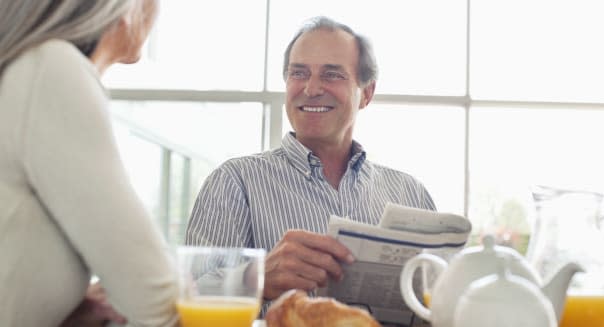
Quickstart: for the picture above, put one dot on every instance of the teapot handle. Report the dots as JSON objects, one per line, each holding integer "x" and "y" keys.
{"x": 406, "y": 281}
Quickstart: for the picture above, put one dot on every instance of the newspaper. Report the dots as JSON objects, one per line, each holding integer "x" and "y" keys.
{"x": 372, "y": 281}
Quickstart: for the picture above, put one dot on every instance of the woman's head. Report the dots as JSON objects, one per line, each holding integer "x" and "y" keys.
{"x": 123, "y": 41}
{"x": 27, "y": 23}
{"x": 137, "y": 25}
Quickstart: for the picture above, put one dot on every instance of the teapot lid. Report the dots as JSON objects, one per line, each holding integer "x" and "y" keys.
{"x": 504, "y": 295}
{"x": 503, "y": 285}
{"x": 481, "y": 260}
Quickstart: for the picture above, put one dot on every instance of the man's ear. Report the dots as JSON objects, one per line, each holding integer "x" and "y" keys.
{"x": 367, "y": 95}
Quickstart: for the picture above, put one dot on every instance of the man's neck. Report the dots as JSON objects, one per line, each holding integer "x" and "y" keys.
{"x": 334, "y": 159}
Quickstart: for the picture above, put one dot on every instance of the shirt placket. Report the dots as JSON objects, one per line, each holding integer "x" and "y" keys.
{"x": 348, "y": 198}
{"x": 331, "y": 195}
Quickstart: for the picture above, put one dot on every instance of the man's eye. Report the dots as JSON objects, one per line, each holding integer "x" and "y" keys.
{"x": 333, "y": 76}
{"x": 297, "y": 74}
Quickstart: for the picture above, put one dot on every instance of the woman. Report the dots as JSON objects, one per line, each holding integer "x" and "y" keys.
{"x": 66, "y": 207}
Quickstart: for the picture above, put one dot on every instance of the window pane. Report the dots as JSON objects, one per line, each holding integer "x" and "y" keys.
{"x": 211, "y": 131}
{"x": 419, "y": 45}
{"x": 514, "y": 149}
{"x": 537, "y": 50}
{"x": 426, "y": 142}
{"x": 201, "y": 45}
{"x": 142, "y": 160}
{"x": 204, "y": 133}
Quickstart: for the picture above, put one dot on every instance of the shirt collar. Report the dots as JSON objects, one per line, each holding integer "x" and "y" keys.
{"x": 304, "y": 160}
{"x": 358, "y": 158}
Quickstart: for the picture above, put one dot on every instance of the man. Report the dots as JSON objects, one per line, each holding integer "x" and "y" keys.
{"x": 281, "y": 200}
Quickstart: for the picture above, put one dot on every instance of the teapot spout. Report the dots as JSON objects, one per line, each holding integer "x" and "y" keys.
{"x": 555, "y": 289}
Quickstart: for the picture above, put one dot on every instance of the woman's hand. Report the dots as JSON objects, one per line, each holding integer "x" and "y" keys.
{"x": 94, "y": 310}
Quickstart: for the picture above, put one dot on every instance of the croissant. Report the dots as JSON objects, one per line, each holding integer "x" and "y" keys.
{"x": 295, "y": 309}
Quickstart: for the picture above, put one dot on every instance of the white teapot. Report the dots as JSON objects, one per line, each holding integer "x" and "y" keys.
{"x": 504, "y": 300}
{"x": 469, "y": 265}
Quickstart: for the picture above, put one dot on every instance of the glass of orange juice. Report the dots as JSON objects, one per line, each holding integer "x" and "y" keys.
{"x": 219, "y": 286}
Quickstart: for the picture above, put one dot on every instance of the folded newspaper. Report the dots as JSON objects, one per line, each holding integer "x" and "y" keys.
{"x": 372, "y": 281}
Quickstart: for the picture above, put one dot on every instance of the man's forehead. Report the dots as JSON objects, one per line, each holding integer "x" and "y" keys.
{"x": 326, "y": 37}
{"x": 322, "y": 47}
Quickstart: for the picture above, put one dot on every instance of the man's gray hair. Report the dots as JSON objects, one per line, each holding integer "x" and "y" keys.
{"x": 27, "y": 23}
{"x": 367, "y": 69}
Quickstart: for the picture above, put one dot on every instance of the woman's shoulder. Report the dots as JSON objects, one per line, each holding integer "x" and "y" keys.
{"x": 61, "y": 69}
{"x": 52, "y": 70}
{"x": 54, "y": 78}
{"x": 54, "y": 57}
{"x": 58, "y": 49}
{"x": 63, "y": 55}
{"x": 53, "y": 51}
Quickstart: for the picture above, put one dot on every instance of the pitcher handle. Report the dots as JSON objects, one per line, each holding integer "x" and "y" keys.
{"x": 406, "y": 282}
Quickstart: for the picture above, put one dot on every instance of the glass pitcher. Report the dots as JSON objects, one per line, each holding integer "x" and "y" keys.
{"x": 569, "y": 227}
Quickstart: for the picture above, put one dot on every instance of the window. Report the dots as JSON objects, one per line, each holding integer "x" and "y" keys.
{"x": 199, "y": 45}
{"x": 537, "y": 50}
{"x": 477, "y": 99}
{"x": 424, "y": 141}
{"x": 420, "y": 45}
{"x": 160, "y": 141}
{"x": 515, "y": 149}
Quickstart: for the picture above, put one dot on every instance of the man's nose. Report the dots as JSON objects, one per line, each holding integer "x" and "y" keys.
{"x": 314, "y": 86}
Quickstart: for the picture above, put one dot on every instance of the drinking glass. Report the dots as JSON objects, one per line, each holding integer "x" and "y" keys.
{"x": 219, "y": 286}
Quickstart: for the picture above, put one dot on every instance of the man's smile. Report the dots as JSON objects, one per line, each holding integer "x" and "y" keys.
{"x": 315, "y": 108}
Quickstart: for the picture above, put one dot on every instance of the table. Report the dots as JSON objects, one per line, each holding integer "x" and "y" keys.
{"x": 262, "y": 323}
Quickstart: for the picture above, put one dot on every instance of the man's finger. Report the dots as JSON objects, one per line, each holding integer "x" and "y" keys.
{"x": 277, "y": 283}
{"x": 311, "y": 271}
{"x": 310, "y": 263}
{"x": 321, "y": 243}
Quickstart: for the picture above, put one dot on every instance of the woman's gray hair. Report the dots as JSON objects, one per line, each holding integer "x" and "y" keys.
{"x": 367, "y": 69}
{"x": 27, "y": 23}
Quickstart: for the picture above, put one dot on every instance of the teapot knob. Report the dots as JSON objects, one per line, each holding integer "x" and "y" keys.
{"x": 488, "y": 241}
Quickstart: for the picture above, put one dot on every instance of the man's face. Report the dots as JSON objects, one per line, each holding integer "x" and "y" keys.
{"x": 323, "y": 94}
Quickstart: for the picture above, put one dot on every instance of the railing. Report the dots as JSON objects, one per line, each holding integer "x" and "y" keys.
{"x": 172, "y": 218}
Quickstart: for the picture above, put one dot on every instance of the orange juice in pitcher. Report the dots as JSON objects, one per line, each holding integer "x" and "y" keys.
{"x": 583, "y": 311}
{"x": 569, "y": 226}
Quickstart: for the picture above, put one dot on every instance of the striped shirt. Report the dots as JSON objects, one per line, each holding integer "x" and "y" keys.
{"x": 252, "y": 201}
